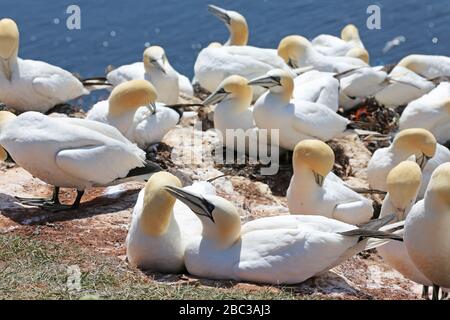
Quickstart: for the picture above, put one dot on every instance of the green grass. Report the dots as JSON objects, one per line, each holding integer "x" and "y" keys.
{"x": 34, "y": 269}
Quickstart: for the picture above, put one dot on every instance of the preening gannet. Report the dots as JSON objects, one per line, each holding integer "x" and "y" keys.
{"x": 427, "y": 66}
{"x": 405, "y": 86}
{"x": 214, "y": 64}
{"x": 431, "y": 112}
{"x": 236, "y": 24}
{"x": 426, "y": 233}
{"x": 276, "y": 250}
{"x": 156, "y": 69}
{"x": 403, "y": 183}
{"x": 362, "y": 82}
{"x": 71, "y": 153}
{"x": 296, "y": 120}
{"x": 233, "y": 98}
{"x": 161, "y": 226}
{"x": 315, "y": 190}
{"x": 418, "y": 142}
{"x": 318, "y": 87}
{"x": 298, "y": 52}
{"x": 333, "y": 46}
{"x": 133, "y": 110}
{"x": 29, "y": 85}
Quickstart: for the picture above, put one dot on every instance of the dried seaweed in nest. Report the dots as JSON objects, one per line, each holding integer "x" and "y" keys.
{"x": 342, "y": 166}
{"x": 206, "y": 116}
{"x": 278, "y": 183}
{"x": 67, "y": 109}
{"x": 200, "y": 92}
{"x": 161, "y": 154}
{"x": 369, "y": 115}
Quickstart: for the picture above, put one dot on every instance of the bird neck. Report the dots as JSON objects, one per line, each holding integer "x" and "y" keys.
{"x": 157, "y": 211}
{"x": 238, "y": 35}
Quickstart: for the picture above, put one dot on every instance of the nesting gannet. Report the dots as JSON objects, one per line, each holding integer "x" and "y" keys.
{"x": 161, "y": 226}
{"x": 215, "y": 63}
{"x": 313, "y": 192}
{"x": 403, "y": 183}
{"x": 29, "y": 85}
{"x": 277, "y": 250}
{"x": 296, "y": 120}
{"x": 410, "y": 142}
{"x": 431, "y": 112}
{"x": 298, "y": 52}
{"x": 427, "y": 66}
{"x": 426, "y": 233}
{"x": 133, "y": 110}
{"x": 236, "y": 24}
{"x": 318, "y": 87}
{"x": 71, "y": 153}
{"x": 405, "y": 87}
{"x": 233, "y": 111}
{"x": 333, "y": 46}
{"x": 362, "y": 82}
{"x": 156, "y": 69}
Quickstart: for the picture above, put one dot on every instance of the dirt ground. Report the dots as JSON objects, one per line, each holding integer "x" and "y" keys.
{"x": 101, "y": 223}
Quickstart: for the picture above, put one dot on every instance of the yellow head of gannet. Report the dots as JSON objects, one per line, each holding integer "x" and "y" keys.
{"x": 9, "y": 44}
{"x": 359, "y": 53}
{"x": 158, "y": 203}
{"x": 403, "y": 183}
{"x": 439, "y": 185}
{"x": 418, "y": 142}
{"x": 314, "y": 155}
{"x": 235, "y": 22}
{"x": 278, "y": 81}
{"x": 350, "y": 32}
{"x": 411, "y": 63}
{"x": 5, "y": 117}
{"x": 292, "y": 48}
{"x": 234, "y": 87}
{"x": 221, "y": 221}
{"x": 131, "y": 95}
{"x": 446, "y": 105}
{"x": 155, "y": 59}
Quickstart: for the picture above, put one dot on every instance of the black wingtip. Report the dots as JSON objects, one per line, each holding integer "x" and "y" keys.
{"x": 148, "y": 168}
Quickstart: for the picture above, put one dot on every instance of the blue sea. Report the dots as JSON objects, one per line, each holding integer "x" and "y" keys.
{"x": 116, "y": 32}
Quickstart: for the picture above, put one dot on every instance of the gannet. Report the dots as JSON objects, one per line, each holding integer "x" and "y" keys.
{"x": 427, "y": 66}
{"x": 403, "y": 183}
{"x": 431, "y": 112}
{"x": 156, "y": 69}
{"x": 298, "y": 52}
{"x": 161, "y": 226}
{"x": 426, "y": 232}
{"x": 236, "y": 24}
{"x": 362, "y": 82}
{"x": 133, "y": 110}
{"x": 30, "y": 85}
{"x": 405, "y": 87}
{"x": 276, "y": 250}
{"x": 359, "y": 53}
{"x": 71, "y": 153}
{"x": 215, "y": 63}
{"x": 333, "y": 46}
{"x": 296, "y": 120}
{"x": 318, "y": 87}
{"x": 233, "y": 111}
{"x": 410, "y": 142}
{"x": 315, "y": 190}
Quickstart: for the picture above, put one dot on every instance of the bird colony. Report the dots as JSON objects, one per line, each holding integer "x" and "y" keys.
{"x": 302, "y": 89}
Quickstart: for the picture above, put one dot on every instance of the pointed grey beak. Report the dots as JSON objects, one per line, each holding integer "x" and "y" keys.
{"x": 152, "y": 107}
{"x": 6, "y": 68}
{"x": 158, "y": 64}
{"x": 422, "y": 161}
{"x": 291, "y": 63}
{"x": 220, "y": 13}
{"x": 195, "y": 202}
{"x": 266, "y": 82}
{"x": 319, "y": 179}
{"x": 299, "y": 71}
{"x": 215, "y": 97}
